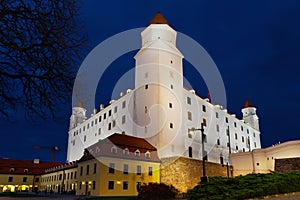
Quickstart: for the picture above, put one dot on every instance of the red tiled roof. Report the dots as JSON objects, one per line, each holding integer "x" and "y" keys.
{"x": 121, "y": 142}
{"x": 248, "y": 104}
{"x": 12, "y": 166}
{"x": 158, "y": 19}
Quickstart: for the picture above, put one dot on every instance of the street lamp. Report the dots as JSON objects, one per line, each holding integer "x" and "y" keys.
{"x": 204, "y": 178}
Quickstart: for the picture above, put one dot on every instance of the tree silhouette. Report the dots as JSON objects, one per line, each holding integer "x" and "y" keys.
{"x": 41, "y": 43}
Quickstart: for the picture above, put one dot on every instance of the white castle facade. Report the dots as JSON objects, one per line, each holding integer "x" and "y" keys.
{"x": 162, "y": 111}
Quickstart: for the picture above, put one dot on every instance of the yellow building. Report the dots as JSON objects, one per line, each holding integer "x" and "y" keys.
{"x": 263, "y": 160}
{"x": 117, "y": 166}
{"x": 21, "y": 175}
{"x": 60, "y": 179}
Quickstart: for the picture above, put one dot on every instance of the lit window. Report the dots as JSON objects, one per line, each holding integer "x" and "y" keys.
{"x": 111, "y": 168}
{"x": 123, "y": 119}
{"x": 138, "y": 170}
{"x": 189, "y": 116}
{"x": 188, "y": 100}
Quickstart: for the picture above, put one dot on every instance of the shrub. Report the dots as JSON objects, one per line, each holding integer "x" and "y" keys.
{"x": 157, "y": 191}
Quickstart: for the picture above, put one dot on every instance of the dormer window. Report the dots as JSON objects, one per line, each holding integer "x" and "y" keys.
{"x": 25, "y": 171}
{"x": 114, "y": 150}
{"x": 97, "y": 149}
{"x": 126, "y": 152}
{"x": 12, "y": 169}
{"x": 147, "y": 154}
{"x": 137, "y": 153}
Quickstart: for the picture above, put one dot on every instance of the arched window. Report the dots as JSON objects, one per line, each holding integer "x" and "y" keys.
{"x": 147, "y": 154}
{"x": 137, "y": 153}
{"x": 114, "y": 150}
{"x": 126, "y": 152}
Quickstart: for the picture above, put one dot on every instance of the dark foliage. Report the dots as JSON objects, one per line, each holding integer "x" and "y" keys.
{"x": 40, "y": 46}
{"x": 245, "y": 187}
{"x": 157, "y": 191}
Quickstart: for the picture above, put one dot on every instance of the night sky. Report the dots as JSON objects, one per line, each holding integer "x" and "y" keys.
{"x": 255, "y": 45}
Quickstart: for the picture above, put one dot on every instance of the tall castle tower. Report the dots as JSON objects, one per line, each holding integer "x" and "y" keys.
{"x": 158, "y": 84}
{"x": 78, "y": 115}
{"x": 249, "y": 115}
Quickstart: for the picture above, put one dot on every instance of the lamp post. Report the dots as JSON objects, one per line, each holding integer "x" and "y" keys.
{"x": 204, "y": 178}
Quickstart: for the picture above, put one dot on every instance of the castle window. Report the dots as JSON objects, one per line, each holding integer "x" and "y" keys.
{"x": 236, "y": 136}
{"x": 111, "y": 185}
{"x": 146, "y": 109}
{"x": 126, "y": 152}
{"x": 146, "y": 87}
{"x": 221, "y": 160}
{"x": 242, "y": 128}
{"x": 10, "y": 179}
{"x": 109, "y": 126}
{"x": 113, "y": 123}
{"x": 243, "y": 139}
{"x": 87, "y": 170}
{"x": 80, "y": 130}
{"x": 218, "y": 142}
{"x": 254, "y": 144}
{"x": 84, "y": 138}
{"x": 203, "y": 108}
{"x": 253, "y": 134}
{"x": 188, "y": 100}
{"x": 226, "y": 119}
{"x": 218, "y": 129}
{"x": 147, "y": 154}
{"x": 189, "y": 116}
{"x": 171, "y": 61}
{"x": 109, "y": 113}
{"x": 236, "y": 147}
{"x": 170, "y": 105}
{"x": 100, "y": 118}
{"x": 88, "y": 126}
{"x": 123, "y": 119}
{"x": 217, "y": 115}
{"x": 123, "y": 104}
{"x": 243, "y": 149}
{"x": 171, "y": 125}
{"x": 248, "y": 131}
{"x": 257, "y": 164}
{"x": 190, "y": 134}
{"x": 12, "y": 169}
{"x": 204, "y": 122}
{"x": 190, "y": 152}
{"x": 104, "y": 117}
{"x": 116, "y": 109}
{"x": 138, "y": 170}
{"x": 172, "y": 86}
{"x": 94, "y": 185}
{"x": 137, "y": 153}
{"x": 92, "y": 123}
{"x": 99, "y": 131}
{"x": 234, "y": 124}
{"x": 114, "y": 150}
{"x": 111, "y": 168}
{"x": 25, "y": 171}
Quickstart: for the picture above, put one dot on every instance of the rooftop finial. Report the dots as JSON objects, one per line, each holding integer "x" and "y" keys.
{"x": 248, "y": 104}
{"x": 158, "y": 19}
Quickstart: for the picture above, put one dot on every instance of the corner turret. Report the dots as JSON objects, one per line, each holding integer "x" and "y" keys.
{"x": 249, "y": 115}
{"x": 78, "y": 115}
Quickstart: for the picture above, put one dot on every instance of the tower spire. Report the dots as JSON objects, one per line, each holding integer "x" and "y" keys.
{"x": 158, "y": 19}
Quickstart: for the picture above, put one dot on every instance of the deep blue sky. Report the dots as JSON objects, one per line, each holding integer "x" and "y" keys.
{"x": 255, "y": 44}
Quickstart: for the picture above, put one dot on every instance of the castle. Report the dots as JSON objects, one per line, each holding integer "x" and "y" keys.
{"x": 163, "y": 112}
